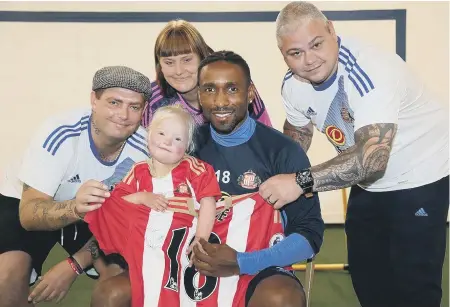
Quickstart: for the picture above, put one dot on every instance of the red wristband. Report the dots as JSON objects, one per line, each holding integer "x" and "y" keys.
{"x": 75, "y": 266}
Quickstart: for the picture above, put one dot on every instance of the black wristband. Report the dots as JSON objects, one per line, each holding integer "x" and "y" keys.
{"x": 75, "y": 265}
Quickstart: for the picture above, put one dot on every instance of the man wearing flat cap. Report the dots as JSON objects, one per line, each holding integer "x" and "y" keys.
{"x": 72, "y": 162}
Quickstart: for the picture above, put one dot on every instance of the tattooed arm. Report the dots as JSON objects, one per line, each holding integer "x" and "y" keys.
{"x": 98, "y": 260}
{"x": 38, "y": 211}
{"x": 366, "y": 161}
{"x": 302, "y": 135}
{"x": 92, "y": 247}
{"x": 88, "y": 254}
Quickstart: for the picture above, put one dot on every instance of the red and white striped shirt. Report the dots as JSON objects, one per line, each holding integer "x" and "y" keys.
{"x": 154, "y": 245}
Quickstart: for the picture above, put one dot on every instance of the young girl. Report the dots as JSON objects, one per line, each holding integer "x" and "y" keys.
{"x": 173, "y": 186}
{"x": 170, "y": 139}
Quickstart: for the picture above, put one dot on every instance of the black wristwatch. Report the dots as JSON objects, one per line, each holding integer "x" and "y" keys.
{"x": 306, "y": 181}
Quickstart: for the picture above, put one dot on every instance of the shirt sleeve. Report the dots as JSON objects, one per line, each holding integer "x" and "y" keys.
{"x": 302, "y": 216}
{"x": 293, "y": 114}
{"x": 157, "y": 95}
{"x": 110, "y": 224}
{"x": 258, "y": 110}
{"x": 48, "y": 155}
{"x": 377, "y": 90}
{"x": 302, "y": 222}
{"x": 204, "y": 181}
{"x": 131, "y": 180}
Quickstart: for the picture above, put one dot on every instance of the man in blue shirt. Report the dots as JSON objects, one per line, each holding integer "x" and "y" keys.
{"x": 235, "y": 144}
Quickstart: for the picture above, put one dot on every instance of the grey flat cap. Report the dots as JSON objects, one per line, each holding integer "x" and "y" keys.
{"x": 123, "y": 77}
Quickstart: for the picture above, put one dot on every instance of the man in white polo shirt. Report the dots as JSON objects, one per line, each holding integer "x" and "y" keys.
{"x": 72, "y": 162}
{"x": 391, "y": 136}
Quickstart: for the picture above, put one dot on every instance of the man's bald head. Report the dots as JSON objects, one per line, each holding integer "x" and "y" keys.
{"x": 294, "y": 14}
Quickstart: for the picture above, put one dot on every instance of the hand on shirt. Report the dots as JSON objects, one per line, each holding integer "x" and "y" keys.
{"x": 54, "y": 285}
{"x": 90, "y": 197}
{"x": 220, "y": 260}
{"x": 155, "y": 202}
{"x": 190, "y": 250}
{"x": 280, "y": 190}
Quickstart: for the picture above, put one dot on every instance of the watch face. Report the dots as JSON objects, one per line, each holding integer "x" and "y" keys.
{"x": 304, "y": 179}
{"x": 299, "y": 177}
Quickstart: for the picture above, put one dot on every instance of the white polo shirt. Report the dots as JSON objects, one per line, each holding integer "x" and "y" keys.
{"x": 372, "y": 86}
{"x": 62, "y": 156}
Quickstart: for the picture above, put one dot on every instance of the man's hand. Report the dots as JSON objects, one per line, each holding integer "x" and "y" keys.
{"x": 54, "y": 285}
{"x": 220, "y": 260}
{"x": 156, "y": 202}
{"x": 280, "y": 190}
{"x": 90, "y": 197}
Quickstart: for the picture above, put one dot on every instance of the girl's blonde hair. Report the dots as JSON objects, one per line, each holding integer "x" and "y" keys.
{"x": 166, "y": 112}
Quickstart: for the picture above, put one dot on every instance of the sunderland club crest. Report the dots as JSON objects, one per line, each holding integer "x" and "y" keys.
{"x": 249, "y": 180}
{"x": 183, "y": 188}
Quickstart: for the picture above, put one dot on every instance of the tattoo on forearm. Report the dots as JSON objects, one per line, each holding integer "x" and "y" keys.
{"x": 302, "y": 135}
{"x": 50, "y": 215}
{"x": 364, "y": 162}
{"x": 93, "y": 249}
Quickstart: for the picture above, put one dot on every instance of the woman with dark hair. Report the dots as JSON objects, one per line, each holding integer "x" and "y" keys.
{"x": 179, "y": 49}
